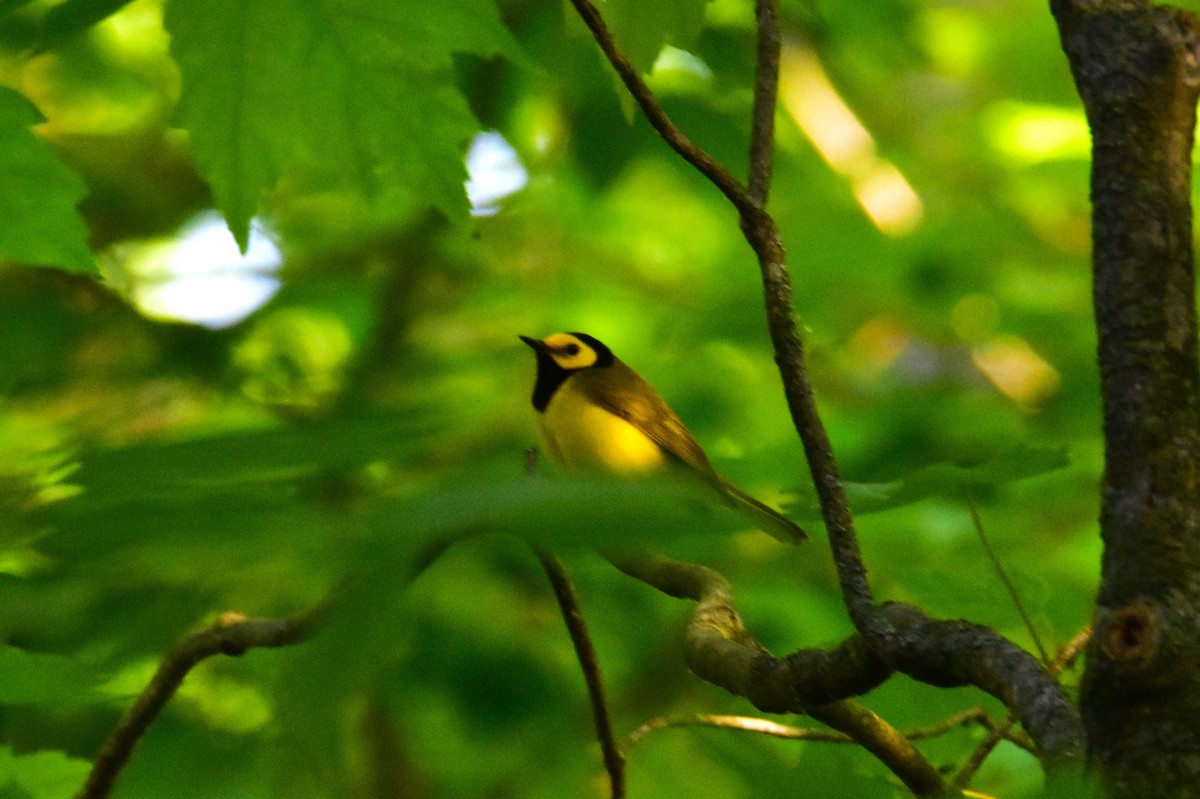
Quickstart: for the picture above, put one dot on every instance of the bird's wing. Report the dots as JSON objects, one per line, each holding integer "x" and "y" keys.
{"x": 634, "y": 400}
{"x": 628, "y": 396}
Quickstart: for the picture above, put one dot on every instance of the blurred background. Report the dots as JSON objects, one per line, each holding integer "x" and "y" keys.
{"x": 194, "y": 420}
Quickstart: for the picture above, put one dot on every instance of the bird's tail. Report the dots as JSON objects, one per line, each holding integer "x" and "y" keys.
{"x": 765, "y": 518}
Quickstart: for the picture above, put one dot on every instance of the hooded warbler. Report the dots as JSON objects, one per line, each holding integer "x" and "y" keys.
{"x": 595, "y": 412}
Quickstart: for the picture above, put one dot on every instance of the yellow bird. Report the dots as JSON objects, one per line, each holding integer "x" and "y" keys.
{"x": 594, "y": 412}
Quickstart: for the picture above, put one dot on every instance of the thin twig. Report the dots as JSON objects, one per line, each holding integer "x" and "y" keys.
{"x": 766, "y": 91}
{"x": 972, "y": 715}
{"x": 975, "y": 715}
{"x": 1001, "y": 732}
{"x": 1009, "y": 585}
{"x": 231, "y": 634}
{"x": 886, "y": 743}
{"x": 568, "y": 603}
{"x": 742, "y": 723}
{"x": 762, "y": 234}
{"x": 674, "y": 137}
{"x": 589, "y": 663}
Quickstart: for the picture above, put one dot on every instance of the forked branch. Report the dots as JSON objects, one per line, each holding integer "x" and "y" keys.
{"x": 720, "y": 650}
{"x": 890, "y": 637}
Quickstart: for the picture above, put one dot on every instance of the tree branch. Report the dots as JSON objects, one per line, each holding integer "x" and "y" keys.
{"x": 893, "y": 637}
{"x": 690, "y": 152}
{"x": 763, "y": 236}
{"x": 943, "y": 653}
{"x": 886, "y": 743}
{"x": 232, "y": 634}
{"x": 568, "y": 603}
{"x": 721, "y": 651}
{"x": 766, "y": 91}
{"x": 1065, "y": 657}
{"x": 958, "y": 653}
{"x": 741, "y": 723}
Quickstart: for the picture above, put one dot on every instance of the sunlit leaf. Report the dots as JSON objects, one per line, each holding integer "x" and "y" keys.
{"x": 41, "y": 775}
{"x": 74, "y": 16}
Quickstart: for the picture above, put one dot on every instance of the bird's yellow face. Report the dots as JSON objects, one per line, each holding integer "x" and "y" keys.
{"x": 561, "y": 355}
{"x": 569, "y": 351}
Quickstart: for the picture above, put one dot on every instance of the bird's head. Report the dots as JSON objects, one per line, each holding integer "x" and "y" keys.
{"x": 570, "y": 352}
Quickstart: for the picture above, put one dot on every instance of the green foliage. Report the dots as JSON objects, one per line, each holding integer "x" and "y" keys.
{"x": 40, "y": 195}
{"x": 355, "y": 93}
{"x": 644, "y": 28}
{"x": 368, "y": 427}
{"x": 44, "y": 775}
{"x": 42, "y": 679}
{"x": 949, "y": 480}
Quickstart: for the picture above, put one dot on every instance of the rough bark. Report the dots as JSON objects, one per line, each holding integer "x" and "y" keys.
{"x": 1135, "y": 66}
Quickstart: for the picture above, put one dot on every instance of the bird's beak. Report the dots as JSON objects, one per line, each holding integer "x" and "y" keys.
{"x": 537, "y": 344}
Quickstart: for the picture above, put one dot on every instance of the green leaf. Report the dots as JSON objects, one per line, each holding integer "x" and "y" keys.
{"x": 32, "y": 678}
{"x": 41, "y": 775}
{"x": 248, "y": 460}
{"x": 213, "y": 510}
{"x": 41, "y": 224}
{"x": 359, "y": 90}
{"x": 947, "y": 480}
{"x": 643, "y": 27}
{"x": 663, "y": 514}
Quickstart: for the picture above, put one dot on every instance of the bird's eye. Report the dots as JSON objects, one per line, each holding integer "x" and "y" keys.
{"x": 572, "y": 349}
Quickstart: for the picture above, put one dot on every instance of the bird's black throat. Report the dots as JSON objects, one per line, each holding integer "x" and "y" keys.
{"x": 550, "y": 374}
{"x": 549, "y": 377}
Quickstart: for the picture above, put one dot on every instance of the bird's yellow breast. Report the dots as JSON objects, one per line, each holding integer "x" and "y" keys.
{"x": 579, "y": 434}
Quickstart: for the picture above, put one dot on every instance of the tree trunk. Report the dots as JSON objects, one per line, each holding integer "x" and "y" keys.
{"x": 1135, "y": 66}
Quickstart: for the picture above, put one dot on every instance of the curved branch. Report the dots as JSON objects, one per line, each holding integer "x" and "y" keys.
{"x": 957, "y": 653}
{"x": 1001, "y": 732}
{"x": 894, "y": 637}
{"x": 944, "y": 653}
{"x": 232, "y": 634}
{"x": 721, "y": 651}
